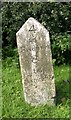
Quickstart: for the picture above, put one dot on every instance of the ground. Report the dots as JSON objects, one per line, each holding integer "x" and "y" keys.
{"x": 13, "y": 96}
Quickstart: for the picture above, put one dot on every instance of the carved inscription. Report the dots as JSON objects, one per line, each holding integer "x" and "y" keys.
{"x": 32, "y": 31}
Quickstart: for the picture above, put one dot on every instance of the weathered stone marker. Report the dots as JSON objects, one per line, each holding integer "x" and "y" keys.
{"x": 36, "y": 63}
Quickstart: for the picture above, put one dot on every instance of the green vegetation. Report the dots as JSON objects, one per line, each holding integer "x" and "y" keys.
{"x": 54, "y": 16}
{"x": 13, "y": 99}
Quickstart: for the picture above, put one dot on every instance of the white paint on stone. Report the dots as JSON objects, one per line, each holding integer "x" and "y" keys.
{"x": 34, "y": 60}
{"x": 47, "y": 41}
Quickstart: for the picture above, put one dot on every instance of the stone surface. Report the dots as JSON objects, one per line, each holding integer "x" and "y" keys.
{"x": 36, "y": 63}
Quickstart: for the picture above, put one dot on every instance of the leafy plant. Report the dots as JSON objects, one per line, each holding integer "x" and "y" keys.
{"x": 54, "y": 16}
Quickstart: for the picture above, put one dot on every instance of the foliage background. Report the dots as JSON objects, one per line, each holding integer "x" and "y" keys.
{"x": 54, "y": 16}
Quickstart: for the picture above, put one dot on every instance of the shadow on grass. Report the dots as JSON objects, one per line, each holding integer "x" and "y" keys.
{"x": 62, "y": 91}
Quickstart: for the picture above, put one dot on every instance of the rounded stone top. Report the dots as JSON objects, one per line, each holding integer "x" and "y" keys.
{"x": 29, "y": 23}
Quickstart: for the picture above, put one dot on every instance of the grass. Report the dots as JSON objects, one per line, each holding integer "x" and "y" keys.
{"x": 13, "y": 97}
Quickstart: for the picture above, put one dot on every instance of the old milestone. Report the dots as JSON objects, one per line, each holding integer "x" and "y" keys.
{"x": 36, "y": 63}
